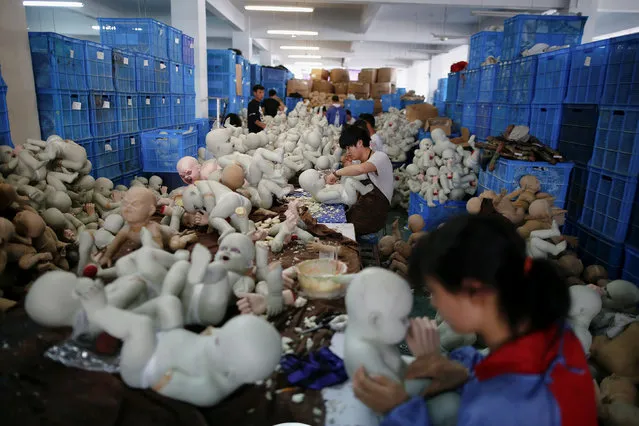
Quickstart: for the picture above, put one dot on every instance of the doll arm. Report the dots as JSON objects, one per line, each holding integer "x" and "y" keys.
{"x": 243, "y": 285}
{"x": 328, "y": 195}
{"x": 115, "y": 245}
{"x": 195, "y": 390}
{"x": 104, "y": 202}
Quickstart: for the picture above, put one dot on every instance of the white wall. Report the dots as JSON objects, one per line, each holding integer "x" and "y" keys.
{"x": 416, "y": 78}
{"x": 440, "y": 65}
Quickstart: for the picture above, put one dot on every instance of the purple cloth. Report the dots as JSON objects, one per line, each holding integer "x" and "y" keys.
{"x": 334, "y": 112}
{"x": 317, "y": 370}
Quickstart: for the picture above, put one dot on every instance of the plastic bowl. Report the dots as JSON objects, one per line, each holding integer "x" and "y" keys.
{"x": 317, "y": 278}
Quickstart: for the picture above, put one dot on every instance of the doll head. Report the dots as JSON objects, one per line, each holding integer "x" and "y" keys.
{"x": 189, "y": 170}
{"x": 386, "y": 245}
{"x": 6, "y": 231}
{"x": 6, "y": 153}
{"x": 155, "y": 183}
{"x": 594, "y": 273}
{"x": 113, "y": 223}
{"x": 530, "y": 183}
{"x": 416, "y": 223}
{"x": 192, "y": 199}
{"x": 620, "y": 295}
{"x": 311, "y": 181}
{"x": 59, "y": 200}
{"x": 412, "y": 169}
{"x": 218, "y": 142}
{"x": 138, "y": 205}
{"x": 236, "y": 253}
{"x": 49, "y": 301}
{"x": 246, "y": 349}
{"x": 233, "y": 176}
{"x": 473, "y": 206}
{"x": 29, "y": 224}
{"x": 85, "y": 183}
{"x": 323, "y": 163}
{"x": 104, "y": 186}
{"x": 369, "y": 312}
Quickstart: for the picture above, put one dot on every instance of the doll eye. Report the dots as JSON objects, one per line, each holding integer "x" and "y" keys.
{"x": 234, "y": 250}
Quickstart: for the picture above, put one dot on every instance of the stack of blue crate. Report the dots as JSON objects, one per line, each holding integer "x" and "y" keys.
{"x": 256, "y": 74}
{"x": 222, "y": 78}
{"x": 245, "y": 96}
{"x": 440, "y": 95}
{"x": 5, "y": 130}
{"x": 274, "y": 78}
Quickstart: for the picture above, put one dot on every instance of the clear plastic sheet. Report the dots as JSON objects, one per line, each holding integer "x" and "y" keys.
{"x": 78, "y": 354}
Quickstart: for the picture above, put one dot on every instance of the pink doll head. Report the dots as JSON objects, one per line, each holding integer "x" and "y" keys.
{"x": 189, "y": 169}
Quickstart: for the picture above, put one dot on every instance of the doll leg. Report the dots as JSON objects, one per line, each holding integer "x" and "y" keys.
{"x": 288, "y": 162}
{"x": 540, "y": 246}
{"x": 124, "y": 291}
{"x": 547, "y": 233}
{"x": 277, "y": 190}
{"x": 221, "y": 226}
{"x": 228, "y": 205}
{"x": 166, "y": 312}
{"x": 359, "y": 186}
{"x": 85, "y": 246}
{"x": 266, "y": 196}
{"x": 56, "y": 179}
{"x": 72, "y": 165}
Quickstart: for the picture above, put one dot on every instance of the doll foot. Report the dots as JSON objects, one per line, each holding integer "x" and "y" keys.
{"x": 285, "y": 191}
{"x": 91, "y": 294}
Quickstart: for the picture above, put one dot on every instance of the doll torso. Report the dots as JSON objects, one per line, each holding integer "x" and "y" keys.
{"x": 376, "y": 358}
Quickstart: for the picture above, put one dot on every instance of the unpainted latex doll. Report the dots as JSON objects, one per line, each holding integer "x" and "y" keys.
{"x": 65, "y": 225}
{"x": 376, "y": 327}
{"x": 539, "y": 218}
{"x": 69, "y": 154}
{"x": 7, "y": 230}
{"x": 102, "y": 197}
{"x": 160, "y": 192}
{"x": 343, "y": 193}
{"x": 189, "y": 170}
{"x": 237, "y": 255}
{"x": 91, "y": 242}
{"x": 387, "y": 242}
{"x": 34, "y": 244}
{"x": 198, "y": 369}
{"x": 270, "y": 296}
{"x": 585, "y": 304}
{"x": 288, "y": 230}
{"x": 416, "y": 225}
{"x": 621, "y": 296}
{"x": 138, "y": 206}
{"x": 539, "y": 247}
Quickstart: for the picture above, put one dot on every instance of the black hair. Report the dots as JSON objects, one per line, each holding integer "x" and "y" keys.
{"x": 257, "y": 87}
{"x": 488, "y": 248}
{"x": 368, "y": 118}
{"x": 234, "y": 120}
{"x": 351, "y": 135}
{"x": 272, "y": 92}
{"x": 362, "y": 125}
{"x": 323, "y": 109}
{"x": 348, "y": 112}
{"x": 335, "y": 98}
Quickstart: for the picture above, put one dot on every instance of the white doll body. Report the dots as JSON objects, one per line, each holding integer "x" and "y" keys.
{"x": 585, "y": 304}
{"x": 344, "y": 193}
{"x": 537, "y": 246}
{"x": 72, "y": 156}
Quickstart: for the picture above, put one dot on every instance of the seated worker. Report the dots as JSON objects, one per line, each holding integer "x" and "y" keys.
{"x": 233, "y": 120}
{"x": 369, "y": 213}
{"x": 377, "y": 143}
{"x": 255, "y": 118}
{"x": 273, "y": 104}
{"x": 349, "y": 118}
{"x": 336, "y": 114}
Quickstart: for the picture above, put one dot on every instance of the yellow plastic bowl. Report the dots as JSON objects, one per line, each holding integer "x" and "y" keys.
{"x": 317, "y": 278}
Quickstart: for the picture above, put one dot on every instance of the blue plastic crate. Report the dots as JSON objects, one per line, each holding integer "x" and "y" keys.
{"x": 631, "y": 265}
{"x": 220, "y": 61}
{"x": 434, "y": 216}
{"x": 617, "y": 142}
{"x": 189, "y": 79}
{"x": 256, "y": 74}
{"x": 522, "y": 82}
{"x": 359, "y": 107}
{"x": 162, "y": 149}
{"x": 484, "y": 44}
{"x": 455, "y": 111}
{"x": 608, "y": 203}
{"x": 622, "y": 75}
{"x": 442, "y": 88}
{"x": 391, "y": 101}
{"x": 203, "y": 126}
{"x": 176, "y": 78}
{"x": 143, "y": 35}
{"x": 103, "y": 109}
{"x": 178, "y": 111}
{"x": 504, "y": 115}
{"x": 154, "y": 111}
{"x": 596, "y": 250}
{"x": 57, "y": 61}
{"x": 213, "y": 109}
{"x": 292, "y": 102}
{"x": 468, "y": 86}
{"x": 588, "y": 66}
{"x": 123, "y": 71}
{"x": 188, "y": 50}
{"x": 5, "y": 130}
{"x": 469, "y": 117}
{"x": 246, "y": 89}
{"x": 273, "y": 74}
{"x": 106, "y": 157}
{"x": 189, "y": 108}
{"x": 633, "y": 230}
{"x": 127, "y": 112}
{"x": 222, "y": 85}
{"x": 401, "y": 91}
{"x": 441, "y": 108}
{"x": 522, "y": 32}
{"x": 577, "y": 132}
{"x": 553, "y": 70}
{"x": 545, "y": 123}
{"x": 502, "y": 86}
{"x": 174, "y": 44}
{"x": 482, "y": 124}
{"x": 576, "y": 192}
{"x": 130, "y": 159}
{"x": 487, "y": 79}
{"x": 162, "y": 76}
{"x": 99, "y": 65}
{"x": 279, "y": 87}
{"x": 554, "y": 179}
{"x": 453, "y": 87}
{"x": 87, "y": 144}
{"x": 64, "y": 113}
{"x": 144, "y": 73}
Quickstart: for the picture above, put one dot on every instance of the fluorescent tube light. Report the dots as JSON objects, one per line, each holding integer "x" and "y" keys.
{"x": 293, "y": 32}
{"x": 305, "y": 56}
{"x": 317, "y": 64}
{"x": 495, "y": 13}
{"x": 44, "y": 3}
{"x": 299, "y": 47}
{"x": 95, "y": 27}
{"x": 279, "y": 9}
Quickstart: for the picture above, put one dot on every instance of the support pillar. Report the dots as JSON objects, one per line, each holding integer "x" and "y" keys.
{"x": 589, "y": 8}
{"x": 189, "y": 16}
{"x": 243, "y": 41}
{"x": 15, "y": 57}
{"x": 266, "y": 58}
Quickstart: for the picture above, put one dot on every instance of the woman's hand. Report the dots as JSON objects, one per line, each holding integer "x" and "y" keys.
{"x": 423, "y": 337}
{"x": 446, "y": 375}
{"x": 380, "y": 394}
{"x": 331, "y": 179}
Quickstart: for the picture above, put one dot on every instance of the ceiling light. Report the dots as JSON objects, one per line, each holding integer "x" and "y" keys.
{"x": 44, "y": 3}
{"x": 280, "y": 9}
{"x": 316, "y": 64}
{"x": 495, "y": 13}
{"x": 95, "y": 27}
{"x": 299, "y": 48}
{"x": 293, "y": 32}
{"x": 305, "y": 56}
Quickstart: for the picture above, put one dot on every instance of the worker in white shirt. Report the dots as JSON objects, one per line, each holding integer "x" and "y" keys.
{"x": 377, "y": 143}
{"x": 349, "y": 118}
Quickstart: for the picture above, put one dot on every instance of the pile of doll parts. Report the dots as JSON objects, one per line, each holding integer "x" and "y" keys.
{"x": 440, "y": 171}
{"x": 603, "y": 312}
{"x": 397, "y": 133}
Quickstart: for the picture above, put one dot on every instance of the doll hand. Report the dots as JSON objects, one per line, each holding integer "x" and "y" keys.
{"x": 106, "y": 262}
{"x": 331, "y": 179}
{"x": 177, "y": 211}
{"x": 380, "y": 394}
{"x": 89, "y": 208}
{"x": 445, "y": 374}
{"x": 116, "y": 196}
{"x": 289, "y": 276}
{"x": 164, "y": 190}
{"x": 201, "y": 220}
{"x": 423, "y": 337}
{"x": 251, "y": 303}
{"x": 69, "y": 234}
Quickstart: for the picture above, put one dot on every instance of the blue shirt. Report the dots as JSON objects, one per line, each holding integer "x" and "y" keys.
{"x": 334, "y": 112}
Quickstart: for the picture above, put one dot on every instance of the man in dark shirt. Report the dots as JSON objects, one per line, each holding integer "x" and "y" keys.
{"x": 272, "y": 104}
{"x": 254, "y": 113}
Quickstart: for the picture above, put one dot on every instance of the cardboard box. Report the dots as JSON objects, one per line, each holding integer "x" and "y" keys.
{"x": 439, "y": 123}
{"x": 238, "y": 80}
{"x": 422, "y": 112}
{"x": 339, "y": 75}
{"x": 378, "y": 107}
{"x": 379, "y": 89}
{"x": 387, "y": 75}
{"x": 319, "y": 74}
{"x": 323, "y": 86}
{"x": 303, "y": 87}
{"x": 360, "y": 90}
{"x": 341, "y": 88}
{"x": 368, "y": 75}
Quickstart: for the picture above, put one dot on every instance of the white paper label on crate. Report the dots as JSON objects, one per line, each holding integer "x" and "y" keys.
{"x": 129, "y": 101}
{"x": 519, "y": 154}
{"x": 177, "y": 68}
{"x": 587, "y": 61}
{"x": 162, "y": 65}
{"x": 177, "y": 40}
{"x": 132, "y": 141}
{"x": 163, "y": 100}
{"x": 126, "y": 61}
{"x": 76, "y": 106}
{"x": 148, "y": 101}
{"x": 100, "y": 55}
{"x": 146, "y": 62}
{"x": 178, "y": 101}
{"x": 106, "y": 105}
{"x": 191, "y": 46}
{"x": 71, "y": 53}
{"x": 107, "y": 148}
